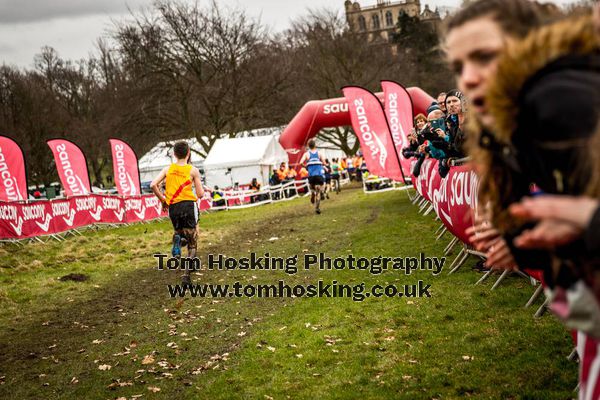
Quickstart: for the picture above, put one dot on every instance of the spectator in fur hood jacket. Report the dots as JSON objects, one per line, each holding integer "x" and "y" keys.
{"x": 545, "y": 102}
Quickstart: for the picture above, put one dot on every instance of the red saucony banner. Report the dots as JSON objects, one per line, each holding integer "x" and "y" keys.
{"x": 369, "y": 123}
{"x": 47, "y": 217}
{"x": 399, "y": 113}
{"x": 13, "y": 183}
{"x": 125, "y": 166}
{"x": 71, "y": 167}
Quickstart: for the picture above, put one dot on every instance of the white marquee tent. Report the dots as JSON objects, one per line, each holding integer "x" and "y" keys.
{"x": 161, "y": 156}
{"x": 250, "y": 155}
{"x": 238, "y": 160}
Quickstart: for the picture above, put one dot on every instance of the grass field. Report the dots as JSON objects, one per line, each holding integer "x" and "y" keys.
{"x": 119, "y": 334}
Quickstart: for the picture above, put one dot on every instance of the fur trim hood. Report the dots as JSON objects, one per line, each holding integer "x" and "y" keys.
{"x": 525, "y": 58}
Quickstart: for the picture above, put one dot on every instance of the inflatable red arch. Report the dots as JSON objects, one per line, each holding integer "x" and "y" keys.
{"x": 318, "y": 114}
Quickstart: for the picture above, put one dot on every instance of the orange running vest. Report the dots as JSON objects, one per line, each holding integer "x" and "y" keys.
{"x": 179, "y": 184}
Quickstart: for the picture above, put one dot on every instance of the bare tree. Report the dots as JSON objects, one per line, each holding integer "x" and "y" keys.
{"x": 334, "y": 56}
{"x": 205, "y": 72}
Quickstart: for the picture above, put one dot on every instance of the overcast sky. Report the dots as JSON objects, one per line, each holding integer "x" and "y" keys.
{"x": 72, "y": 26}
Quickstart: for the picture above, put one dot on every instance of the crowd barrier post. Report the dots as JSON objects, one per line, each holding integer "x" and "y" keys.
{"x": 450, "y": 246}
{"x": 542, "y": 309}
{"x": 429, "y": 210}
{"x": 57, "y": 237}
{"x": 536, "y": 294}
{"x": 440, "y": 233}
{"x": 484, "y": 277}
{"x": 459, "y": 260}
{"x": 424, "y": 206}
{"x": 442, "y": 226}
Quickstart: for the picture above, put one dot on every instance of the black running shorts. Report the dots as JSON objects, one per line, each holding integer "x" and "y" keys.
{"x": 316, "y": 180}
{"x": 184, "y": 214}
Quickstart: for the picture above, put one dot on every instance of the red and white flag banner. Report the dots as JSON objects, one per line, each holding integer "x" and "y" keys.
{"x": 369, "y": 123}
{"x": 125, "y": 167}
{"x": 399, "y": 113}
{"x": 71, "y": 167}
{"x": 13, "y": 180}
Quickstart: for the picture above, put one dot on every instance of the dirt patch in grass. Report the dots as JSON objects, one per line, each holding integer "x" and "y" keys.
{"x": 74, "y": 278}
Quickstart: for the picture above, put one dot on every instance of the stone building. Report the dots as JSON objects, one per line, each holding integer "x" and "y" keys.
{"x": 380, "y": 20}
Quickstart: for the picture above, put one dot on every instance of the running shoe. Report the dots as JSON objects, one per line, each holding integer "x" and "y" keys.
{"x": 176, "y": 250}
{"x": 186, "y": 279}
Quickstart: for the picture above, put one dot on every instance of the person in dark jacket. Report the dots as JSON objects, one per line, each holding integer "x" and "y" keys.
{"x": 535, "y": 139}
{"x": 537, "y": 110}
{"x": 546, "y": 115}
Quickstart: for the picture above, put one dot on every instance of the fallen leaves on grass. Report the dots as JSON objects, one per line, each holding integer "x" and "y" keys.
{"x": 148, "y": 359}
{"x": 123, "y": 353}
{"x": 117, "y": 383}
{"x": 331, "y": 340}
{"x": 104, "y": 367}
{"x": 153, "y": 389}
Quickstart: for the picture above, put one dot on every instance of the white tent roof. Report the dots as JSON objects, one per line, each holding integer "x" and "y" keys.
{"x": 245, "y": 151}
{"x": 161, "y": 155}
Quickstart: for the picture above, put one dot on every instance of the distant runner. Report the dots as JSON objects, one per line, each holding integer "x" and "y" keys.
{"x": 336, "y": 169}
{"x": 327, "y": 168}
{"x": 181, "y": 200}
{"x": 316, "y": 180}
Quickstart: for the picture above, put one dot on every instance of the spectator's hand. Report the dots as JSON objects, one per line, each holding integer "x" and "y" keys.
{"x": 500, "y": 257}
{"x": 548, "y": 234}
{"x": 440, "y": 133}
{"x": 577, "y": 211}
{"x": 422, "y": 148}
{"x": 487, "y": 239}
{"x": 482, "y": 234}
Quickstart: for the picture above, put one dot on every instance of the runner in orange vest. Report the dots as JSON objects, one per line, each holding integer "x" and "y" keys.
{"x": 181, "y": 200}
